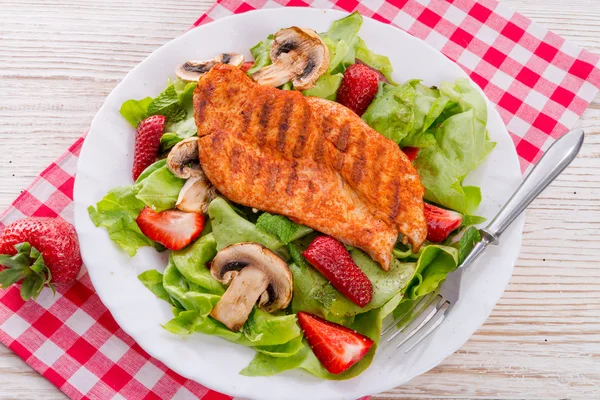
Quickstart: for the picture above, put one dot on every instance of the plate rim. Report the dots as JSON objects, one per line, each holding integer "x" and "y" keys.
{"x": 78, "y": 205}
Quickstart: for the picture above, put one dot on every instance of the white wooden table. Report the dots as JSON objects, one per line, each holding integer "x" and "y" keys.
{"x": 60, "y": 59}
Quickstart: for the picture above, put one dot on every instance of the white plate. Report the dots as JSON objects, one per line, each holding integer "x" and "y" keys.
{"x": 106, "y": 160}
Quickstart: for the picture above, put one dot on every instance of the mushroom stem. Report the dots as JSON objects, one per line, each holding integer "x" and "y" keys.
{"x": 236, "y": 304}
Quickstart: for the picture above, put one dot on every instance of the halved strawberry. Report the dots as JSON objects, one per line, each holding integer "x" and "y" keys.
{"x": 173, "y": 229}
{"x": 147, "y": 143}
{"x": 331, "y": 259}
{"x": 411, "y": 152}
{"x": 337, "y": 347}
{"x": 440, "y": 222}
{"x": 247, "y": 65}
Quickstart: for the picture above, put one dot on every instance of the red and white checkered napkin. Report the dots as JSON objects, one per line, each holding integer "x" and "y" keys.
{"x": 540, "y": 83}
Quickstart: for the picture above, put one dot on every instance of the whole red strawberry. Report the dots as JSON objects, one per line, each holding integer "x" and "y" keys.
{"x": 147, "y": 142}
{"x": 39, "y": 251}
{"x": 359, "y": 87}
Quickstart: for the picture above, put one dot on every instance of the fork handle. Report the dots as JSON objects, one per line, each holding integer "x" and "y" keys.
{"x": 554, "y": 161}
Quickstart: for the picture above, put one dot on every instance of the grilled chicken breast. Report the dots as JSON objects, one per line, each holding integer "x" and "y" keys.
{"x": 310, "y": 159}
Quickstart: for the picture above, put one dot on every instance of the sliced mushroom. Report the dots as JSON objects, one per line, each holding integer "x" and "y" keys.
{"x": 255, "y": 275}
{"x": 299, "y": 55}
{"x": 184, "y": 160}
{"x": 193, "y": 70}
{"x": 195, "y": 195}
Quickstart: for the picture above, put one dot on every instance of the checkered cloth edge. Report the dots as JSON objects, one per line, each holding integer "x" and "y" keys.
{"x": 540, "y": 83}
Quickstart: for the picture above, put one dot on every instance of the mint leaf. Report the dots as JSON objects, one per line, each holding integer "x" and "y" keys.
{"x": 282, "y": 227}
{"x": 135, "y": 110}
{"x": 467, "y": 242}
{"x": 167, "y": 104}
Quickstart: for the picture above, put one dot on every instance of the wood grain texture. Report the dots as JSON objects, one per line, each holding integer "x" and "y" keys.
{"x": 60, "y": 59}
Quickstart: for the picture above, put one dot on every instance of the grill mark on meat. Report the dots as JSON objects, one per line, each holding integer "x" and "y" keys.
{"x": 327, "y": 125}
{"x": 246, "y": 119}
{"x": 263, "y": 120}
{"x": 360, "y": 161}
{"x": 375, "y": 178}
{"x": 342, "y": 142}
{"x": 252, "y": 177}
{"x": 234, "y": 160}
{"x": 395, "y": 208}
{"x": 272, "y": 179}
{"x": 289, "y": 188}
{"x": 303, "y": 136}
{"x": 284, "y": 124}
{"x": 319, "y": 148}
{"x": 205, "y": 91}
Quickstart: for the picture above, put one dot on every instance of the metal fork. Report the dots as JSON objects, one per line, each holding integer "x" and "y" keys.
{"x": 424, "y": 315}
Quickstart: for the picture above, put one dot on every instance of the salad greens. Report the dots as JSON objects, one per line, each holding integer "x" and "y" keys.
{"x": 447, "y": 123}
{"x": 156, "y": 187}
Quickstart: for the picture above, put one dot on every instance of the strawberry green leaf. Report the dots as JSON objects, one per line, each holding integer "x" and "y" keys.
{"x": 9, "y": 276}
{"x": 27, "y": 265}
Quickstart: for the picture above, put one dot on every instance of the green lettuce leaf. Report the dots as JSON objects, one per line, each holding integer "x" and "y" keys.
{"x": 326, "y": 87}
{"x": 391, "y": 112}
{"x": 160, "y": 189}
{"x": 461, "y": 145}
{"x": 117, "y": 212}
{"x": 229, "y": 227}
{"x": 375, "y": 61}
{"x": 153, "y": 280}
{"x": 149, "y": 170}
{"x": 341, "y": 39}
{"x": 368, "y": 324}
{"x": 261, "y": 328}
{"x": 283, "y": 350}
{"x": 433, "y": 265}
{"x": 191, "y": 263}
{"x": 261, "y": 53}
{"x": 135, "y": 110}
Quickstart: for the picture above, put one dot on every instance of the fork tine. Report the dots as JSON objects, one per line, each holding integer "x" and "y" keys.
{"x": 425, "y": 299}
{"x": 417, "y": 316}
{"x": 425, "y": 317}
{"x": 432, "y": 325}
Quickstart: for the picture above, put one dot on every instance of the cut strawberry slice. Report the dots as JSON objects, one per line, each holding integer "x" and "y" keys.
{"x": 440, "y": 222}
{"x": 411, "y": 152}
{"x": 173, "y": 229}
{"x": 331, "y": 259}
{"x": 337, "y": 347}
